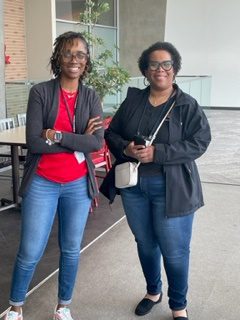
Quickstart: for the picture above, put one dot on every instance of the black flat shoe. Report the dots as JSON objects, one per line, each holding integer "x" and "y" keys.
{"x": 146, "y": 305}
{"x": 181, "y": 318}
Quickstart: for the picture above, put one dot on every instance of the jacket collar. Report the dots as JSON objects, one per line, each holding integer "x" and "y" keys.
{"x": 181, "y": 97}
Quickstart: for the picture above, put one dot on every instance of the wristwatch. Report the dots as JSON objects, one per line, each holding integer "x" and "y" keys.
{"x": 57, "y": 136}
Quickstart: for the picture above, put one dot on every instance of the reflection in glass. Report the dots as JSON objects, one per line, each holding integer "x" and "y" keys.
{"x": 70, "y": 10}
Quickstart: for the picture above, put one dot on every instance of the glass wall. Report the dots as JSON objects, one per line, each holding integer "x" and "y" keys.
{"x": 197, "y": 86}
{"x": 70, "y": 10}
{"x": 64, "y": 26}
{"x": 67, "y": 18}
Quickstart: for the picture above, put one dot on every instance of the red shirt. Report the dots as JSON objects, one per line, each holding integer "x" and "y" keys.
{"x": 62, "y": 167}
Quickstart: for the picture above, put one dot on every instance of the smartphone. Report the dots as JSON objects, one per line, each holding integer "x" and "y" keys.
{"x": 139, "y": 141}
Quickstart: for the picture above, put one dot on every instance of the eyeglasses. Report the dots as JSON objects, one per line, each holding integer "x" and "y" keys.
{"x": 79, "y": 55}
{"x": 165, "y": 65}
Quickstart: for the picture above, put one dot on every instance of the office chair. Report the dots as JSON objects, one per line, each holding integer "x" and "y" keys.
{"x": 5, "y": 155}
{"x": 21, "y": 118}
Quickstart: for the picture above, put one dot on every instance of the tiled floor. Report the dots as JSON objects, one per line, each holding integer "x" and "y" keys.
{"x": 110, "y": 280}
{"x": 221, "y": 162}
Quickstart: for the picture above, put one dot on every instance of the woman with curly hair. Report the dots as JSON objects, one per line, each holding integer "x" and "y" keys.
{"x": 160, "y": 208}
{"x": 64, "y": 125}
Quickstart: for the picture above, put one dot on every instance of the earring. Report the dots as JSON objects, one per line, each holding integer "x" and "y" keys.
{"x": 145, "y": 82}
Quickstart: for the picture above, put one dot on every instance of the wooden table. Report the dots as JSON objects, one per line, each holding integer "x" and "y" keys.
{"x": 14, "y": 138}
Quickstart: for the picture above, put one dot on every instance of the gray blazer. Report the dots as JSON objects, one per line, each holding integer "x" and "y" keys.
{"x": 41, "y": 114}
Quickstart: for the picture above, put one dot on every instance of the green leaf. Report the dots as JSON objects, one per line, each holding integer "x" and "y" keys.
{"x": 107, "y": 76}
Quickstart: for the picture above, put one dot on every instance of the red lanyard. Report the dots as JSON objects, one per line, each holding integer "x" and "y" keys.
{"x": 71, "y": 119}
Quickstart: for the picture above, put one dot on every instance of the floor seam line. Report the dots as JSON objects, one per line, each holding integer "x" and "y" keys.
{"x": 55, "y": 271}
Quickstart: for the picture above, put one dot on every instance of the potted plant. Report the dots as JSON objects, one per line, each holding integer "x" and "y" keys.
{"x": 107, "y": 76}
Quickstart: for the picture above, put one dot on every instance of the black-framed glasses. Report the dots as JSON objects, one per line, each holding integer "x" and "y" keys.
{"x": 78, "y": 55}
{"x": 165, "y": 65}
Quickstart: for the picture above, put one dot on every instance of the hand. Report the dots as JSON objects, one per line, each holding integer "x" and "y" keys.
{"x": 93, "y": 125}
{"x": 141, "y": 153}
{"x": 145, "y": 155}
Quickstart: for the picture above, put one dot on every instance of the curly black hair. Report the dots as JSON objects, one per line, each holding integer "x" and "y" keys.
{"x": 166, "y": 46}
{"x": 59, "y": 45}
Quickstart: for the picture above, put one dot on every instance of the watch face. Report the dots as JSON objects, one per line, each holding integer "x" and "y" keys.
{"x": 58, "y": 136}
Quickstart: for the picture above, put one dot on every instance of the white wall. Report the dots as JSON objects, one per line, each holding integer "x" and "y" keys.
{"x": 207, "y": 35}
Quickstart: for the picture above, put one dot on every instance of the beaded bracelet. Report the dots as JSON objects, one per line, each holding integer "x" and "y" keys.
{"x": 48, "y": 140}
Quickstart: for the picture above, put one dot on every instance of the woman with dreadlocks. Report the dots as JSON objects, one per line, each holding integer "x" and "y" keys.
{"x": 64, "y": 125}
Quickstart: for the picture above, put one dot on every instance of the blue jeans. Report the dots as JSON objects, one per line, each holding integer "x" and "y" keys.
{"x": 158, "y": 236}
{"x": 43, "y": 199}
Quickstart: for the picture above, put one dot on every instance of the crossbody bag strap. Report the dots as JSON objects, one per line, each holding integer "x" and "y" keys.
{"x": 158, "y": 128}
{"x": 160, "y": 124}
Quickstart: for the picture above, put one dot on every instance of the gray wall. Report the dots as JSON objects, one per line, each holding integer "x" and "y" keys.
{"x": 141, "y": 23}
{"x": 40, "y": 33}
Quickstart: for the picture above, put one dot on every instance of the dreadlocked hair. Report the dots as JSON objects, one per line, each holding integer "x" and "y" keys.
{"x": 59, "y": 45}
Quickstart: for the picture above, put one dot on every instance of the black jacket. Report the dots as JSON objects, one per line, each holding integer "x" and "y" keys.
{"x": 189, "y": 137}
{"x": 41, "y": 114}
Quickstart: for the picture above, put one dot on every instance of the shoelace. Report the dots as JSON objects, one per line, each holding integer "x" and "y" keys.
{"x": 12, "y": 315}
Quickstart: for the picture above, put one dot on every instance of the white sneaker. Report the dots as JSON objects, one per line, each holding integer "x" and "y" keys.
{"x": 12, "y": 315}
{"x": 62, "y": 314}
